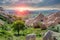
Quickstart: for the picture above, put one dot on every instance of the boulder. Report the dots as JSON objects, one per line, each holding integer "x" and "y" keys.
{"x": 48, "y": 36}
{"x": 31, "y": 37}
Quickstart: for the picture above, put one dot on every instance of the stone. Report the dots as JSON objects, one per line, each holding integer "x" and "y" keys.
{"x": 51, "y": 35}
{"x": 31, "y": 37}
{"x": 48, "y": 36}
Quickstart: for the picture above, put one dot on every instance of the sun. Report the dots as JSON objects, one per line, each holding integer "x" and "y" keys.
{"x": 21, "y": 9}
{"x": 21, "y": 12}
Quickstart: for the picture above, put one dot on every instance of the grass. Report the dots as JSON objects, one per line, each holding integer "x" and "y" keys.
{"x": 19, "y": 38}
{"x": 38, "y": 32}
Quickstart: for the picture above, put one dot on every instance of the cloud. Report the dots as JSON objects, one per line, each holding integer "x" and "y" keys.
{"x": 30, "y": 8}
{"x": 47, "y": 3}
{"x": 17, "y": 2}
{"x": 8, "y": 2}
{"x": 21, "y": 1}
{"x": 32, "y": 3}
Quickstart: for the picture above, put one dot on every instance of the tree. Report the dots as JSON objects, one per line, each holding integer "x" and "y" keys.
{"x": 18, "y": 25}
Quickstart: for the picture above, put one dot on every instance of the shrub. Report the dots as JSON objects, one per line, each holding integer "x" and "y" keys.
{"x": 55, "y": 28}
{"x": 18, "y": 25}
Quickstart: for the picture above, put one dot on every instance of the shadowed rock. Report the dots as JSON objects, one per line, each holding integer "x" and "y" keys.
{"x": 48, "y": 36}
{"x": 31, "y": 37}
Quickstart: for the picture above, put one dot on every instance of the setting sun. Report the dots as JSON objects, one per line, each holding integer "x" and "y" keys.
{"x": 21, "y": 9}
{"x": 21, "y": 12}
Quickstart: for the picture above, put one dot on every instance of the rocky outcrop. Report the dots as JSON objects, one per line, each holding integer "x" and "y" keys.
{"x": 5, "y": 16}
{"x": 35, "y": 20}
{"x": 46, "y": 21}
{"x": 53, "y": 19}
{"x": 51, "y": 35}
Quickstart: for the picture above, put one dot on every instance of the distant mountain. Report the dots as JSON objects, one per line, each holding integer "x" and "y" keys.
{"x": 18, "y": 13}
{"x": 35, "y": 13}
{"x": 44, "y": 11}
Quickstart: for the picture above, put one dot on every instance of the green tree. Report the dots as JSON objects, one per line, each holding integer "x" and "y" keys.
{"x": 18, "y": 25}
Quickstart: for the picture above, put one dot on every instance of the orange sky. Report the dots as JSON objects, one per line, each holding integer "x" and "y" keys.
{"x": 21, "y": 13}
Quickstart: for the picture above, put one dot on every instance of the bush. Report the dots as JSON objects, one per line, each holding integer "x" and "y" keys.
{"x": 18, "y": 26}
{"x": 55, "y": 28}
{"x": 27, "y": 31}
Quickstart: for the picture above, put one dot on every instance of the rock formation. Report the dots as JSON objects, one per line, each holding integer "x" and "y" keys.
{"x": 53, "y": 19}
{"x": 5, "y": 16}
{"x": 35, "y": 20}
{"x": 46, "y": 21}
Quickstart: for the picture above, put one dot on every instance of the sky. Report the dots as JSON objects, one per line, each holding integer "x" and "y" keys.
{"x": 31, "y": 4}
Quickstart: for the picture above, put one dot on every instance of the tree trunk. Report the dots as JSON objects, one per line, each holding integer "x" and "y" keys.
{"x": 18, "y": 32}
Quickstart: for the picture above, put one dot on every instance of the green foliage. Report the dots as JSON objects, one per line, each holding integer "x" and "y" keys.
{"x": 28, "y": 31}
{"x": 6, "y": 30}
{"x": 5, "y": 27}
{"x": 5, "y": 34}
{"x": 18, "y": 25}
{"x": 4, "y": 19}
{"x": 38, "y": 32}
{"x": 55, "y": 28}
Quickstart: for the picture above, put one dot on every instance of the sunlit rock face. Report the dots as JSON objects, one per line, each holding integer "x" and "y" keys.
{"x": 52, "y": 19}
{"x": 46, "y": 21}
{"x": 39, "y": 18}
{"x": 34, "y": 21}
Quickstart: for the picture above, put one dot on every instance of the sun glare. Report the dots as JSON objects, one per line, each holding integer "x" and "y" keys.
{"x": 21, "y": 11}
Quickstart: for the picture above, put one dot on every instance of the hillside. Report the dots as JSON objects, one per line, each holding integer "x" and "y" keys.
{"x": 5, "y": 16}
{"x": 46, "y": 21}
